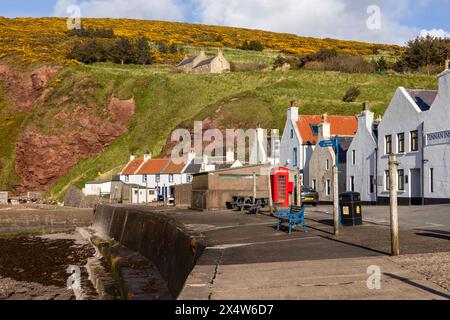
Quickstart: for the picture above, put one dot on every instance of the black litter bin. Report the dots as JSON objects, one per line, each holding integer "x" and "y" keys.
{"x": 351, "y": 209}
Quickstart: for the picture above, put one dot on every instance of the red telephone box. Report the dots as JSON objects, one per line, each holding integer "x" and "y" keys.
{"x": 281, "y": 186}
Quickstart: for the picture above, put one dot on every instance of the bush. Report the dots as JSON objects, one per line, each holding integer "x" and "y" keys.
{"x": 92, "y": 32}
{"x": 123, "y": 51}
{"x": 245, "y": 67}
{"x": 351, "y": 94}
{"x": 253, "y": 45}
{"x": 349, "y": 64}
{"x": 315, "y": 66}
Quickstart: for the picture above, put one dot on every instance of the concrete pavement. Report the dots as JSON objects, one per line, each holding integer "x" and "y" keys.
{"x": 424, "y": 217}
{"x": 246, "y": 258}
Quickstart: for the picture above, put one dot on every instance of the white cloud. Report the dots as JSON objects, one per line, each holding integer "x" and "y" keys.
{"x": 135, "y": 9}
{"x": 344, "y": 19}
{"x": 439, "y": 33}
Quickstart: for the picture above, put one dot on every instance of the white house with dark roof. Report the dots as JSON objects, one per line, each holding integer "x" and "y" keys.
{"x": 323, "y": 160}
{"x": 416, "y": 127}
{"x": 362, "y": 158}
{"x": 200, "y": 64}
{"x": 300, "y": 137}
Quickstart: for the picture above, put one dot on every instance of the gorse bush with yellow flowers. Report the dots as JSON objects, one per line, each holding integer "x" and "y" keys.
{"x": 33, "y": 40}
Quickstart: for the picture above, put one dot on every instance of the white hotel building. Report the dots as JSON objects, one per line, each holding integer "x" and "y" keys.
{"x": 416, "y": 128}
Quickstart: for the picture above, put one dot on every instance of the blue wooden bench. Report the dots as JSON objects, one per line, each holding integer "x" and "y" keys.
{"x": 294, "y": 216}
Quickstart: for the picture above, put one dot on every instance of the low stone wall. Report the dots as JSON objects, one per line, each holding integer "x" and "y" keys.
{"x": 49, "y": 219}
{"x": 156, "y": 236}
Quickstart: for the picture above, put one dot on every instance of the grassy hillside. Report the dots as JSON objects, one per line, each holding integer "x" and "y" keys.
{"x": 166, "y": 100}
{"x": 10, "y": 124}
{"x": 35, "y": 40}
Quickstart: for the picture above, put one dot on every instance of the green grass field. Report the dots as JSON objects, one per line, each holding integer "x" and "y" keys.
{"x": 167, "y": 100}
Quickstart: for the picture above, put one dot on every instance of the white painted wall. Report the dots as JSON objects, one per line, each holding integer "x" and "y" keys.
{"x": 402, "y": 116}
{"x": 97, "y": 189}
{"x": 292, "y": 140}
{"x": 364, "y": 145}
{"x": 438, "y": 156}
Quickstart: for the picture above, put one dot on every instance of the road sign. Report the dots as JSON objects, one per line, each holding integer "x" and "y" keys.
{"x": 327, "y": 143}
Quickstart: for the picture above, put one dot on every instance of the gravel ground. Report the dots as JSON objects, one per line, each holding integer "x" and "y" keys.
{"x": 434, "y": 266}
{"x": 34, "y": 268}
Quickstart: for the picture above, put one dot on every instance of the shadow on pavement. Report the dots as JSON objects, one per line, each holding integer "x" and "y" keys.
{"x": 357, "y": 245}
{"x": 439, "y": 234}
{"x": 417, "y": 285}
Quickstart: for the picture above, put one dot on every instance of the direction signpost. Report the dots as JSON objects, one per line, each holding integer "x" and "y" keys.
{"x": 334, "y": 143}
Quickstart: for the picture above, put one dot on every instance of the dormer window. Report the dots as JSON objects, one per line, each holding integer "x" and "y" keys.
{"x": 315, "y": 129}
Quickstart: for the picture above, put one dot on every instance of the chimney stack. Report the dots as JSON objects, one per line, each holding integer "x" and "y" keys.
{"x": 447, "y": 64}
{"x": 324, "y": 128}
{"x": 293, "y": 111}
{"x": 366, "y": 106}
{"x": 132, "y": 157}
{"x": 147, "y": 156}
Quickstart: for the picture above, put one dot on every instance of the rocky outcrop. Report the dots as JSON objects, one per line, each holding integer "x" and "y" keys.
{"x": 24, "y": 88}
{"x": 41, "y": 159}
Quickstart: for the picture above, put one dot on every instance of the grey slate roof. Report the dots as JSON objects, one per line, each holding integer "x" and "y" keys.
{"x": 423, "y": 98}
{"x": 205, "y": 62}
{"x": 344, "y": 145}
{"x": 193, "y": 168}
{"x": 187, "y": 61}
{"x": 224, "y": 166}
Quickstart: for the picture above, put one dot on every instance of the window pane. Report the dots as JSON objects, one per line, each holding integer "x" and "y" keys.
{"x": 388, "y": 144}
{"x": 401, "y": 143}
{"x": 414, "y": 140}
{"x": 401, "y": 180}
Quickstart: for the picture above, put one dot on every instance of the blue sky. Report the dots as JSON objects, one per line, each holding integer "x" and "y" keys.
{"x": 344, "y": 19}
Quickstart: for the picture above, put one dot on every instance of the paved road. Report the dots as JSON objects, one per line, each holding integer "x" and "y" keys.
{"x": 246, "y": 258}
{"x": 415, "y": 217}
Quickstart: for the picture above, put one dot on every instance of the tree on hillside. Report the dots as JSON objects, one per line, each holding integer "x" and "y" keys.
{"x": 89, "y": 52}
{"x": 142, "y": 51}
{"x": 381, "y": 64}
{"x": 121, "y": 51}
{"x": 424, "y": 52}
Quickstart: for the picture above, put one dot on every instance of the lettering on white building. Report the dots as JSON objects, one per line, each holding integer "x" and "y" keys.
{"x": 437, "y": 138}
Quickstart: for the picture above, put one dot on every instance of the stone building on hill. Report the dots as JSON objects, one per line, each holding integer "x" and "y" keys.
{"x": 201, "y": 64}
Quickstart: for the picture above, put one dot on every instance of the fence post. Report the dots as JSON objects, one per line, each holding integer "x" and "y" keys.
{"x": 336, "y": 200}
{"x": 393, "y": 177}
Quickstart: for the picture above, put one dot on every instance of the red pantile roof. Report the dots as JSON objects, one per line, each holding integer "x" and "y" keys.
{"x": 153, "y": 166}
{"x": 131, "y": 167}
{"x": 173, "y": 168}
{"x": 340, "y": 125}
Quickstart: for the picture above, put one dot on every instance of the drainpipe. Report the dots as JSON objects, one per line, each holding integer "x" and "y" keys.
{"x": 423, "y": 163}
{"x": 376, "y": 175}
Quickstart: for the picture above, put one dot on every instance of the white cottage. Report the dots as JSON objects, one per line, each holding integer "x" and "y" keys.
{"x": 324, "y": 159}
{"x": 416, "y": 127}
{"x": 201, "y": 64}
{"x": 362, "y": 158}
{"x": 300, "y": 137}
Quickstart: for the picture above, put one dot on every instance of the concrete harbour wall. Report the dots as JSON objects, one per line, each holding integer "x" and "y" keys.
{"x": 155, "y": 235}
